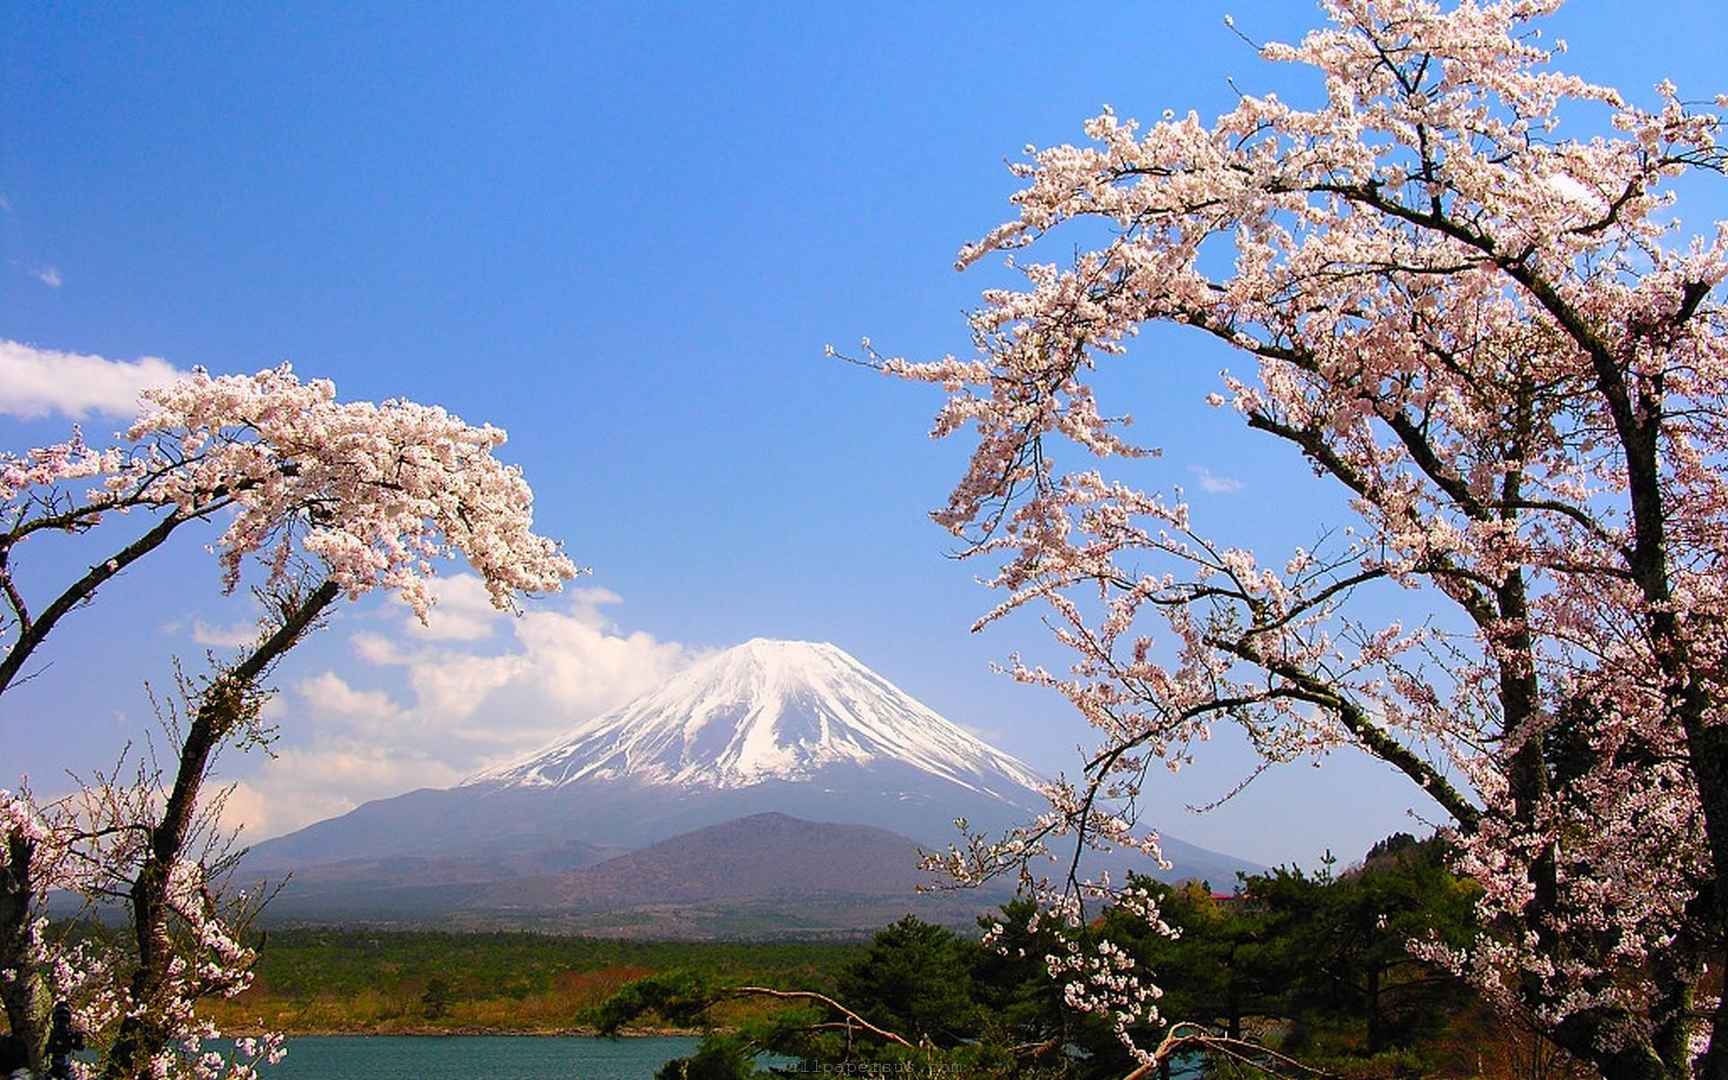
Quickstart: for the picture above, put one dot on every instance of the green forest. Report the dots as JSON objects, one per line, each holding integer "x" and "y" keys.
{"x": 1312, "y": 966}
{"x": 1316, "y": 966}
{"x": 370, "y": 981}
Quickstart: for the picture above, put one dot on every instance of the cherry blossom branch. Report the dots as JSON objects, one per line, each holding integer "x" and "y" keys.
{"x": 365, "y": 496}
{"x": 228, "y": 701}
{"x": 810, "y": 995}
{"x": 1186, "y": 1035}
{"x": 1376, "y": 741}
{"x": 31, "y": 636}
{"x": 1484, "y": 334}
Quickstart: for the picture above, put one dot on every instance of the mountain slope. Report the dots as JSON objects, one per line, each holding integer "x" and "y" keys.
{"x": 764, "y": 855}
{"x": 768, "y": 710}
{"x": 767, "y": 875}
{"x": 768, "y": 727}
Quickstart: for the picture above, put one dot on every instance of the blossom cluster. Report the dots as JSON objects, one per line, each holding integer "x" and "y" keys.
{"x": 379, "y": 489}
{"x": 332, "y": 498}
{"x": 370, "y": 493}
{"x": 72, "y": 846}
{"x": 1493, "y": 339}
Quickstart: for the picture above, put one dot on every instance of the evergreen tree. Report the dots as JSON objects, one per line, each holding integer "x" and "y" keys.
{"x": 916, "y": 979}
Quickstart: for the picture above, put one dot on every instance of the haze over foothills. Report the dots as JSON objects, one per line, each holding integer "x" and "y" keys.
{"x": 624, "y": 235}
{"x": 710, "y": 806}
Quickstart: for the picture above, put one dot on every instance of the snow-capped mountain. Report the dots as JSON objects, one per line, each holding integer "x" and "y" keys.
{"x": 787, "y": 728}
{"x": 768, "y": 710}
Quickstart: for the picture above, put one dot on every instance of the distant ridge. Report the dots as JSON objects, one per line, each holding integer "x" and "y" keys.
{"x": 763, "y": 742}
{"x": 763, "y": 855}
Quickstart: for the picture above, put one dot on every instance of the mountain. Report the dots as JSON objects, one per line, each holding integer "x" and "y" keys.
{"x": 800, "y": 730}
{"x": 755, "y": 876}
{"x": 764, "y": 855}
{"x": 769, "y": 710}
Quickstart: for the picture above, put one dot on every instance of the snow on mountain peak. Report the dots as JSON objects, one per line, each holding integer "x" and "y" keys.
{"x": 767, "y": 710}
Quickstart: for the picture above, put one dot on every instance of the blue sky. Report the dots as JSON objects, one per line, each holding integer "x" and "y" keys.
{"x": 624, "y": 232}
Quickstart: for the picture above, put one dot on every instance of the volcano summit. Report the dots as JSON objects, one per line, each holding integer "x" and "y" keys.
{"x": 770, "y": 710}
{"x": 785, "y": 728}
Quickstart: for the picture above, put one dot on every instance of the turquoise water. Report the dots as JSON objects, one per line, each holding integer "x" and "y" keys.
{"x": 494, "y": 1057}
{"x": 475, "y": 1057}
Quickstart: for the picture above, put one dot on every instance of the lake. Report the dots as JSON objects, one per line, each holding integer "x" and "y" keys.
{"x": 497, "y": 1057}
{"x": 471, "y": 1057}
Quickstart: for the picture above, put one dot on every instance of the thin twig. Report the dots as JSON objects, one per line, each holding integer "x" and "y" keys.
{"x": 811, "y": 995}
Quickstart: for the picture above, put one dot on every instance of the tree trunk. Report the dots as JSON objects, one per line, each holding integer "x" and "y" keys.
{"x": 1588, "y": 1037}
{"x": 1709, "y": 754}
{"x": 222, "y": 706}
{"x": 1374, "y": 1033}
{"x": 27, "y": 998}
{"x": 1637, "y": 1062}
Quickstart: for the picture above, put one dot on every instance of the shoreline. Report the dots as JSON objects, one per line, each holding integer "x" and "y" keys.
{"x": 478, "y": 1032}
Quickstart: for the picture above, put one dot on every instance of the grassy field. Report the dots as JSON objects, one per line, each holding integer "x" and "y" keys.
{"x": 375, "y": 982}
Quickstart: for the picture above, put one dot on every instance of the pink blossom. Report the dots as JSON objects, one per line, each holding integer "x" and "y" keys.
{"x": 1494, "y": 340}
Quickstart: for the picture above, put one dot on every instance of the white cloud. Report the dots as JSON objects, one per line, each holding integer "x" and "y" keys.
{"x": 300, "y": 786}
{"x": 222, "y": 637}
{"x": 329, "y": 697}
{"x": 49, "y": 276}
{"x": 464, "y": 703}
{"x": 1575, "y": 192}
{"x": 578, "y": 662}
{"x": 993, "y": 735}
{"x": 36, "y": 382}
{"x": 247, "y": 809}
{"x": 567, "y": 666}
{"x": 450, "y": 687}
{"x": 462, "y": 611}
{"x": 376, "y": 649}
{"x": 1215, "y": 483}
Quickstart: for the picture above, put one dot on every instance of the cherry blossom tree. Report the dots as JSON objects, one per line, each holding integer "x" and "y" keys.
{"x": 331, "y": 499}
{"x": 1493, "y": 335}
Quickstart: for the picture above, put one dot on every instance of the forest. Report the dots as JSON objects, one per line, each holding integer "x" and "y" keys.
{"x": 1465, "y": 306}
{"x": 1313, "y": 965}
{"x": 1288, "y": 966}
